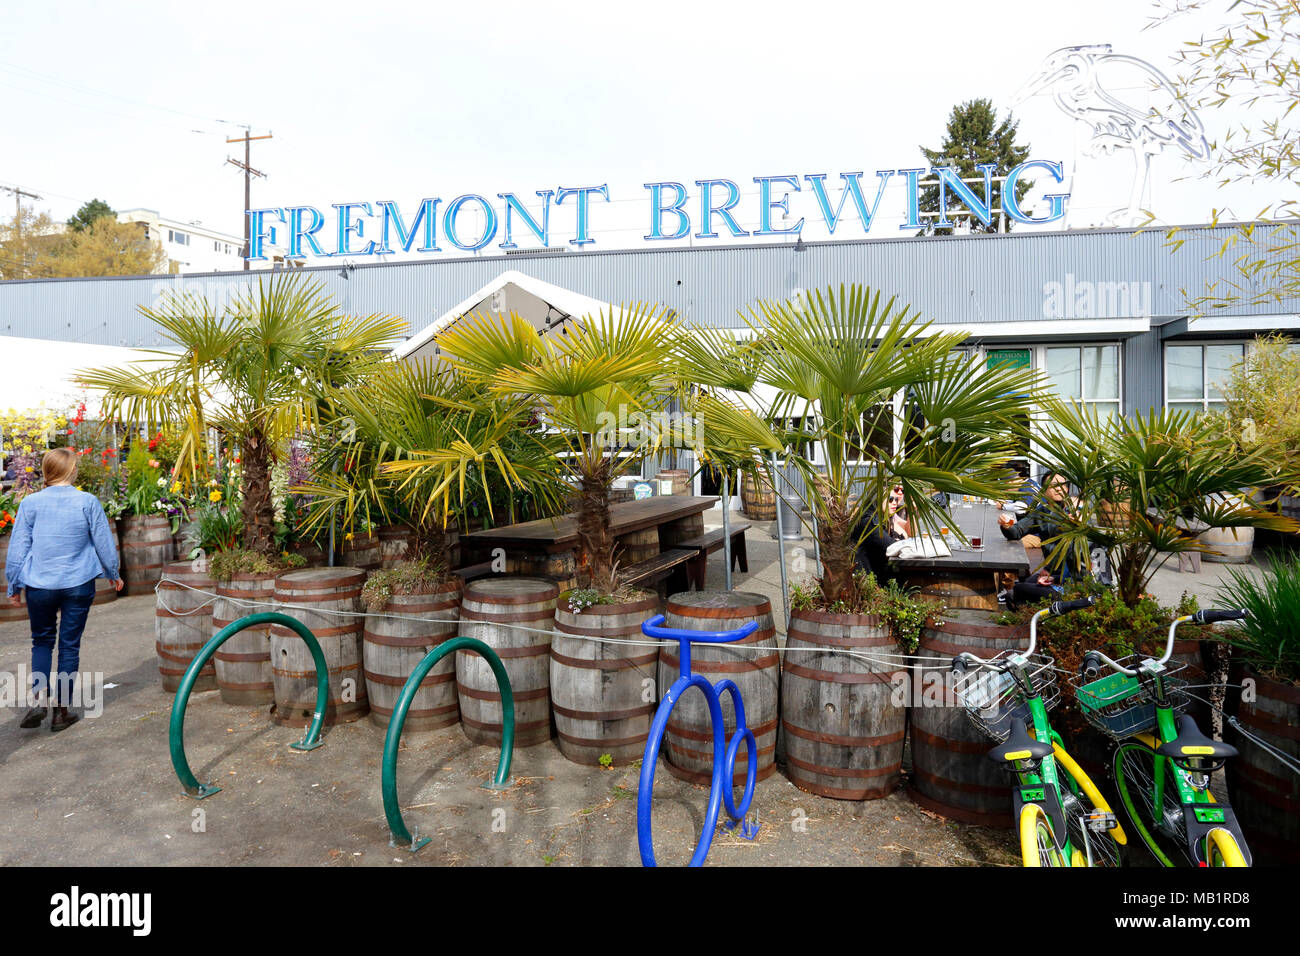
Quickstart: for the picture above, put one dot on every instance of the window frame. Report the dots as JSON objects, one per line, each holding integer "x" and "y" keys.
{"x": 1203, "y": 344}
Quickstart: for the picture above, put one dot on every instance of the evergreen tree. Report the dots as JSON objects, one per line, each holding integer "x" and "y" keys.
{"x": 974, "y": 137}
{"x": 88, "y": 213}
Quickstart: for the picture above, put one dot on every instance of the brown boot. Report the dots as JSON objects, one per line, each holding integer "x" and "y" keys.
{"x": 34, "y": 717}
{"x": 62, "y": 719}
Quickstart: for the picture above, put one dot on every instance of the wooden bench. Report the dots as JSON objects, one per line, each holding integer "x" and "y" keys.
{"x": 473, "y": 572}
{"x": 669, "y": 571}
{"x": 705, "y": 544}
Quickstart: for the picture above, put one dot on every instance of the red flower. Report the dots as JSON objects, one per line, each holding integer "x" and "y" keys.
{"x": 236, "y": 459}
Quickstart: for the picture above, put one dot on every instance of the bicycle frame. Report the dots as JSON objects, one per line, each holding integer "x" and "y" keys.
{"x": 1042, "y": 784}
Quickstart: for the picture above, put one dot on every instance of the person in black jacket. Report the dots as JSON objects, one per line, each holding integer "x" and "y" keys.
{"x": 871, "y": 551}
{"x": 1037, "y": 526}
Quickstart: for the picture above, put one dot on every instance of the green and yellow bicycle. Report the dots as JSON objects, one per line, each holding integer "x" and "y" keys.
{"x": 1062, "y": 818}
{"x": 1162, "y": 762}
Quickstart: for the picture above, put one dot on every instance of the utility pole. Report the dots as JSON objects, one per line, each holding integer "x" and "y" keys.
{"x": 249, "y": 172}
{"x": 19, "y": 193}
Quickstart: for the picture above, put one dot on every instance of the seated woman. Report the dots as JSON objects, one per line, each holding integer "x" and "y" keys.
{"x": 881, "y": 534}
{"x": 1039, "y": 524}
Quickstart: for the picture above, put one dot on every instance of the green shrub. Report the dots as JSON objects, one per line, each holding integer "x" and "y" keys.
{"x": 226, "y": 564}
{"x": 1268, "y": 640}
{"x": 899, "y": 607}
{"x": 406, "y": 578}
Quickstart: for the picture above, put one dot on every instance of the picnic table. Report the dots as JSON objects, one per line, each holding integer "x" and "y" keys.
{"x": 546, "y": 546}
{"x": 969, "y": 577}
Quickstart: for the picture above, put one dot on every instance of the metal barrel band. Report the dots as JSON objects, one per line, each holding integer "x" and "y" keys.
{"x": 176, "y": 734}
{"x": 724, "y": 752}
{"x": 401, "y": 836}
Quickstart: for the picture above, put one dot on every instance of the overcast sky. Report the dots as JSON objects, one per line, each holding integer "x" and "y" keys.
{"x": 379, "y": 101}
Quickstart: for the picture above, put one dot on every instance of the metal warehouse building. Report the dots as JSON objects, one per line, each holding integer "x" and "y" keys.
{"x": 1104, "y": 313}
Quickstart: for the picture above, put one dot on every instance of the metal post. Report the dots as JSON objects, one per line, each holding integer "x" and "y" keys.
{"x": 726, "y": 523}
{"x": 780, "y": 540}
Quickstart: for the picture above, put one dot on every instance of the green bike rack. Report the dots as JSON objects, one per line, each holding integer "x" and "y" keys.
{"x": 176, "y": 737}
{"x": 392, "y": 810}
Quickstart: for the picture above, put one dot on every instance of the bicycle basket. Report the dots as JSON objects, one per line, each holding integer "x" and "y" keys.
{"x": 992, "y": 698}
{"x": 1121, "y": 706}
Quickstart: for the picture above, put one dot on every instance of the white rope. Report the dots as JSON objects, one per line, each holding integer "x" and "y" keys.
{"x": 884, "y": 659}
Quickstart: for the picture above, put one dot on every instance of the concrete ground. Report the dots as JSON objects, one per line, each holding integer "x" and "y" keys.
{"x": 104, "y": 792}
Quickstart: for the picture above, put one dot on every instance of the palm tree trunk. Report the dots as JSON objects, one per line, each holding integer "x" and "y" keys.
{"x": 838, "y": 551}
{"x": 258, "y": 508}
{"x": 594, "y": 539}
{"x": 1130, "y": 574}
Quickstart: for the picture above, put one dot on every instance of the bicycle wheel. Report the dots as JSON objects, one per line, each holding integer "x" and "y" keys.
{"x": 1037, "y": 843}
{"x": 1077, "y": 802}
{"x": 1221, "y": 849}
{"x": 1164, "y": 832}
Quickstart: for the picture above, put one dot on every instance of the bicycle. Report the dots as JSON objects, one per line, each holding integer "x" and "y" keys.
{"x": 1162, "y": 762}
{"x": 1057, "y": 807}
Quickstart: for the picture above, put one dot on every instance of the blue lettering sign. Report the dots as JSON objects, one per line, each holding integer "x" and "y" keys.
{"x": 449, "y": 222}
{"x": 540, "y": 231}
{"x": 582, "y": 192}
{"x": 297, "y": 234}
{"x": 392, "y": 219}
{"x": 657, "y": 210}
{"x": 766, "y": 205}
{"x": 348, "y": 229}
{"x": 852, "y": 188}
{"x": 259, "y": 232}
{"x": 1055, "y": 201}
{"x": 708, "y": 209}
{"x": 949, "y": 178}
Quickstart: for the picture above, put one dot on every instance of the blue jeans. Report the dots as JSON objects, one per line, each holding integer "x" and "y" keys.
{"x": 61, "y": 612}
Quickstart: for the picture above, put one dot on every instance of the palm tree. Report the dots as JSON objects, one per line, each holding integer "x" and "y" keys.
{"x": 602, "y": 385}
{"x": 886, "y": 398}
{"x": 258, "y": 373}
{"x": 420, "y": 442}
{"x": 1144, "y": 482}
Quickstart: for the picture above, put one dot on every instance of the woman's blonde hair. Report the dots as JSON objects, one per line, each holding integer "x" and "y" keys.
{"x": 59, "y": 464}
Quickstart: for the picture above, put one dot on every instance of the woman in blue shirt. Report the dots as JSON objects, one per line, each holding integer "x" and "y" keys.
{"x": 61, "y": 543}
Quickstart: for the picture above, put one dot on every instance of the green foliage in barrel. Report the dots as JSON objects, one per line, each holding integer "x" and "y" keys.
{"x": 1145, "y": 483}
{"x": 886, "y": 398}
{"x": 604, "y": 386}
{"x": 258, "y": 370}
{"x": 414, "y": 444}
{"x": 1268, "y": 640}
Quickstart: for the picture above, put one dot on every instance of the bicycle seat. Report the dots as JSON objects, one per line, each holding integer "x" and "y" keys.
{"x": 1019, "y": 745}
{"x": 1190, "y": 742}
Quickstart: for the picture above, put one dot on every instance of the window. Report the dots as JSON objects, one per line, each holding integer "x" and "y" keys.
{"x": 1193, "y": 374}
{"x": 1087, "y": 374}
{"x": 180, "y": 238}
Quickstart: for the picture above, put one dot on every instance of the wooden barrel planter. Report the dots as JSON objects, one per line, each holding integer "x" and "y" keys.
{"x": 394, "y": 544}
{"x": 598, "y": 689}
{"x": 758, "y": 499}
{"x": 396, "y": 639}
{"x": 183, "y": 624}
{"x": 310, "y": 595}
{"x": 844, "y": 729}
{"x": 146, "y": 547}
{"x": 752, "y": 663}
{"x": 244, "y": 661}
{"x": 637, "y": 546}
{"x": 951, "y": 773}
{"x": 691, "y": 526}
{"x": 1265, "y": 794}
{"x": 513, "y": 616}
{"x": 7, "y": 611}
{"x": 361, "y": 552}
{"x": 560, "y": 568}
{"x": 105, "y": 593}
{"x": 181, "y": 550}
{"x": 971, "y": 589}
{"x": 1228, "y": 549}
{"x": 680, "y": 479}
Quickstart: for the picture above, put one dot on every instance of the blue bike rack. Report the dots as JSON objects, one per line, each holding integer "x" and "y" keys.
{"x": 724, "y": 755}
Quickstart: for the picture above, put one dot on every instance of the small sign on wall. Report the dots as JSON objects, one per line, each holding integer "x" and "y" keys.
{"x": 643, "y": 489}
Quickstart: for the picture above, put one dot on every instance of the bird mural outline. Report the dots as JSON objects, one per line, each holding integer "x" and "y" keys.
{"x": 1083, "y": 82}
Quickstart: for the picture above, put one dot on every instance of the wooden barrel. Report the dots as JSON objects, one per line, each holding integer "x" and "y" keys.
{"x": 488, "y": 609}
{"x": 7, "y": 611}
{"x": 561, "y": 569}
{"x": 1265, "y": 794}
{"x": 843, "y": 725}
{"x": 311, "y": 552}
{"x": 361, "y": 552}
{"x": 951, "y": 773}
{"x": 973, "y": 589}
{"x": 752, "y": 663}
{"x": 146, "y": 547}
{"x": 1230, "y": 549}
{"x": 636, "y": 546}
{"x": 310, "y": 595}
{"x": 396, "y": 639}
{"x": 692, "y": 526}
{"x": 181, "y": 550}
{"x": 394, "y": 545}
{"x": 183, "y": 624}
{"x": 603, "y": 694}
{"x": 680, "y": 479}
{"x": 105, "y": 593}
{"x": 244, "y": 661}
{"x": 758, "y": 499}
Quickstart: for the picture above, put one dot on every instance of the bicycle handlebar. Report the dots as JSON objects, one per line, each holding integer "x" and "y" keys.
{"x": 1055, "y": 609}
{"x": 1200, "y": 617}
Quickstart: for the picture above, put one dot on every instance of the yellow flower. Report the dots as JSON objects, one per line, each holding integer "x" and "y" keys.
{"x": 27, "y": 450}
{"x": 346, "y": 537}
{"x": 176, "y": 486}
{"x": 214, "y": 496}
{"x": 28, "y": 469}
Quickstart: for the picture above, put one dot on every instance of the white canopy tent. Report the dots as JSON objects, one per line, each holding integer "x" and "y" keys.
{"x": 40, "y": 372}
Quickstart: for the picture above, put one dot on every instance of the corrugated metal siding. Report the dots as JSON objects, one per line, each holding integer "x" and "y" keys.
{"x": 960, "y": 279}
